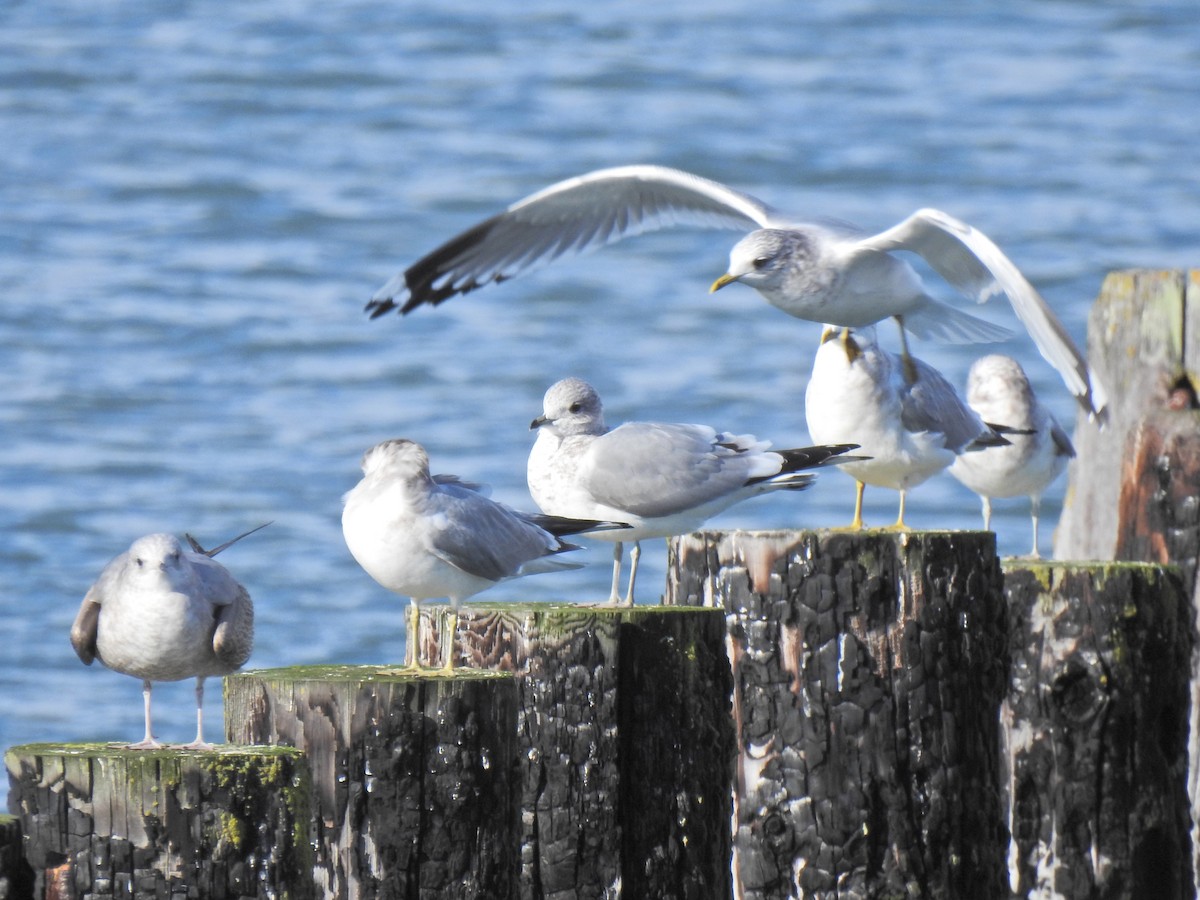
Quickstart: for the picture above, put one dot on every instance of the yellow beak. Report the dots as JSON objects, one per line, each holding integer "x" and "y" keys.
{"x": 722, "y": 281}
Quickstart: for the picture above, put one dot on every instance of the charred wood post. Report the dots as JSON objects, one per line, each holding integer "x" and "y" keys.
{"x": 1096, "y": 731}
{"x": 16, "y": 877}
{"x": 625, "y": 744}
{"x": 868, "y": 673}
{"x": 101, "y": 821}
{"x": 1134, "y": 491}
{"x": 412, "y": 774}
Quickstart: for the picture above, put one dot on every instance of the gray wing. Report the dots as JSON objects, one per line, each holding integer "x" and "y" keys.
{"x": 453, "y": 480}
{"x": 233, "y": 610}
{"x": 87, "y": 620}
{"x": 567, "y": 218}
{"x": 932, "y": 404}
{"x": 652, "y": 470}
{"x": 233, "y": 638}
{"x": 484, "y": 538}
{"x": 84, "y": 629}
{"x": 969, "y": 260}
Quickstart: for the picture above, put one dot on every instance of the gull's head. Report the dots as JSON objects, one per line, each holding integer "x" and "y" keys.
{"x": 995, "y": 378}
{"x": 154, "y": 556}
{"x": 763, "y": 258}
{"x": 398, "y": 458}
{"x": 571, "y": 406}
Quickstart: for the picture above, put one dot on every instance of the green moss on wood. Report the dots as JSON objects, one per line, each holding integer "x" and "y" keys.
{"x": 365, "y": 674}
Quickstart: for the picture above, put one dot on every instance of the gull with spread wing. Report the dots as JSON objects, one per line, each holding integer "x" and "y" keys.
{"x": 822, "y": 271}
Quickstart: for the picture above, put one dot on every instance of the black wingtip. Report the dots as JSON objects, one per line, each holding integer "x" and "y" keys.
{"x": 814, "y": 457}
{"x": 379, "y": 308}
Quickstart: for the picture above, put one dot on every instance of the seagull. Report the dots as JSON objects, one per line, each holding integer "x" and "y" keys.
{"x": 159, "y": 612}
{"x": 909, "y": 429}
{"x": 822, "y": 271}
{"x": 429, "y": 536}
{"x": 998, "y": 389}
{"x": 660, "y": 479}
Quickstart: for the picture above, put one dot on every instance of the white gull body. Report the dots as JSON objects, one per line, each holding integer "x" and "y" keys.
{"x": 911, "y": 430}
{"x": 999, "y": 390}
{"x": 426, "y": 537}
{"x": 660, "y": 479}
{"x": 160, "y": 612}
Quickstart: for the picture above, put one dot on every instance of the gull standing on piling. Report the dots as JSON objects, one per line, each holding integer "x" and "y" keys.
{"x": 429, "y": 536}
{"x": 159, "y": 612}
{"x": 822, "y": 271}
{"x": 661, "y": 479}
{"x": 999, "y": 390}
{"x": 909, "y": 429}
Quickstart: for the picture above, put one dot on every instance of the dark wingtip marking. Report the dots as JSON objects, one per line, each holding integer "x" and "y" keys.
{"x": 420, "y": 276}
{"x": 378, "y": 308}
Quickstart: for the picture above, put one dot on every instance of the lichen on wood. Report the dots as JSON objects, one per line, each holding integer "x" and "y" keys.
{"x": 412, "y": 774}
{"x": 103, "y": 820}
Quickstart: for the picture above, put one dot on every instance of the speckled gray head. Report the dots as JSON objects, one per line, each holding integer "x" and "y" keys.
{"x": 571, "y": 406}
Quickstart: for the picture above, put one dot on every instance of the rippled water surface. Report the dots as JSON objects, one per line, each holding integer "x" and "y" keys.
{"x": 197, "y": 198}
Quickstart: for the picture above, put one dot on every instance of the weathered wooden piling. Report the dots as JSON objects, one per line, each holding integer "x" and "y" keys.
{"x": 101, "y": 820}
{"x": 868, "y": 673}
{"x": 1144, "y": 344}
{"x": 626, "y": 744}
{"x": 412, "y": 774}
{"x": 1095, "y": 728}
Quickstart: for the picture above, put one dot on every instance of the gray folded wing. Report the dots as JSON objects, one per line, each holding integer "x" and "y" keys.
{"x": 652, "y": 470}
{"x": 85, "y": 627}
{"x": 932, "y": 404}
{"x": 233, "y": 610}
{"x": 484, "y": 538}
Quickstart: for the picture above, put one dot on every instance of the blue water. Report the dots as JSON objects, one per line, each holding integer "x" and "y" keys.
{"x": 197, "y": 198}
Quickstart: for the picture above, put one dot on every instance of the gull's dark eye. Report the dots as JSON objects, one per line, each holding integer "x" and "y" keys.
{"x": 762, "y": 262}
{"x": 574, "y": 407}
{"x": 139, "y": 561}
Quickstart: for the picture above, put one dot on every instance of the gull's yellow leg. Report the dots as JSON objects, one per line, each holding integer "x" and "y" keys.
{"x": 856, "y": 523}
{"x": 900, "y": 523}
